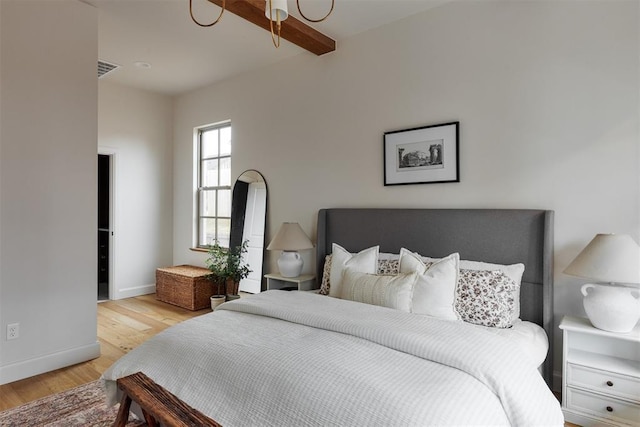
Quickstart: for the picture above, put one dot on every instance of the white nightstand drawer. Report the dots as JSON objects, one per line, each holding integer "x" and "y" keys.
{"x": 603, "y": 406}
{"x": 603, "y": 381}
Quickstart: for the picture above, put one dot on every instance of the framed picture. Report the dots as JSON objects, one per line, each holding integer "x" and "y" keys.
{"x": 423, "y": 155}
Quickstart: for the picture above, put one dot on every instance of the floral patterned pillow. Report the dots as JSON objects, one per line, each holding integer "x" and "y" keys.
{"x": 326, "y": 273}
{"x": 388, "y": 266}
{"x": 486, "y": 298}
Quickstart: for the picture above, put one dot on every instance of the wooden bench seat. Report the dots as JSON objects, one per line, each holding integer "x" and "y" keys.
{"x": 158, "y": 405}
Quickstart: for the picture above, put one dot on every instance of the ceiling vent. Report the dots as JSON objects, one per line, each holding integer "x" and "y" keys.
{"x": 105, "y": 68}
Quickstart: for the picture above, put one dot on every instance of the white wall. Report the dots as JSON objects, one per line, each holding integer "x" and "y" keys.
{"x": 48, "y": 135}
{"x": 137, "y": 126}
{"x": 547, "y": 94}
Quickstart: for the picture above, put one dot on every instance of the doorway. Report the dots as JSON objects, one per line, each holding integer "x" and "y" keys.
{"x": 104, "y": 220}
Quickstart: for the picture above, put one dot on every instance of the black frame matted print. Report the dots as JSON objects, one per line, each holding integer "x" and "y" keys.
{"x": 422, "y": 155}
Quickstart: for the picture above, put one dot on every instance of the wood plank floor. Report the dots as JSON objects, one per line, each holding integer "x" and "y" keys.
{"x": 122, "y": 325}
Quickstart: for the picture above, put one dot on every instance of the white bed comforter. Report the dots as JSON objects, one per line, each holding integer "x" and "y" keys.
{"x": 301, "y": 359}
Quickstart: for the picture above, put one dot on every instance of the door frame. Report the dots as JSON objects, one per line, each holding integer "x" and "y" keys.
{"x": 112, "y": 153}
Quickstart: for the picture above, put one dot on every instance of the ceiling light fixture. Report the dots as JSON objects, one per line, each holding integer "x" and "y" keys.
{"x": 193, "y": 18}
{"x": 315, "y": 20}
{"x": 275, "y": 10}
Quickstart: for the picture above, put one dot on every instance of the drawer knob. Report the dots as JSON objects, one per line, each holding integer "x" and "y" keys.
{"x": 609, "y": 383}
{"x": 609, "y": 409}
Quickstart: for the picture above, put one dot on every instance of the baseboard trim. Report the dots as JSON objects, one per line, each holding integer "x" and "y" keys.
{"x": 135, "y": 291}
{"x": 50, "y": 362}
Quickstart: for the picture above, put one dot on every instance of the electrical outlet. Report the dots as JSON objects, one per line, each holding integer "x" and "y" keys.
{"x": 13, "y": 331}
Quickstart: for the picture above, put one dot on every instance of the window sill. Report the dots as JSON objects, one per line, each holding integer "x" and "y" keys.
{"x": 199, "y": 250}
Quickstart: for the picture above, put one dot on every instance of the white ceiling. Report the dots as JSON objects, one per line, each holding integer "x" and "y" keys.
{"x": 184, "y": 56}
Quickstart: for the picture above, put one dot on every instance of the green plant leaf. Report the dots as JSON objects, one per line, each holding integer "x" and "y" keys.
{"x": 227, "y": 263}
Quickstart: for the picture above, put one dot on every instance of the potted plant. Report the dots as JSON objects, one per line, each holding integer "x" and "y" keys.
{"x": 227, "y": 267}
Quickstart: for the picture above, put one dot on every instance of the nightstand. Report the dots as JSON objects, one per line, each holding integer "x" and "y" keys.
{"x": 601, "y": 374}
{"x": 304, "y": 282}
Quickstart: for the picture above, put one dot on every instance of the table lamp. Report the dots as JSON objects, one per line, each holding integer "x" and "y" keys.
{"x": 290, "y": 239}
{"x": 614, "y": 259}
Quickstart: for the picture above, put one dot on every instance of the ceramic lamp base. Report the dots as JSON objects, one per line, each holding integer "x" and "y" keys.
{"x": 611, "y": 308}
{"x": 290, "y": 264}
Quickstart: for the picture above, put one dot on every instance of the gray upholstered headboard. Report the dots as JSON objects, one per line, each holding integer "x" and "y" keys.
{"x": 502, "y": 236}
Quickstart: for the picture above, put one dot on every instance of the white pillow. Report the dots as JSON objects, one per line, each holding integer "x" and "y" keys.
{"x": 513, "y": 271}
{"x": 365, "y": 261}
{"x": 383, "y": 290}
{"x": 435, "y": 290}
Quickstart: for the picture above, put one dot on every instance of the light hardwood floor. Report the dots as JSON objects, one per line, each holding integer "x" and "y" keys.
{"x": 122, "y": 325}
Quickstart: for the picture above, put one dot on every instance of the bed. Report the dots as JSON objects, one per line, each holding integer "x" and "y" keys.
{"x": 301, "y": 358}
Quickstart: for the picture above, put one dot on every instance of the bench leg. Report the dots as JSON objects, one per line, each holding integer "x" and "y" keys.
{"x": 123, "y": 412}
{"x": 157, "y": 404}
{"x": 151, "y": 422}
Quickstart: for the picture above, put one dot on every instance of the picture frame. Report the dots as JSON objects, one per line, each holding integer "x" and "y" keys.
{"x": 422, "y": 155}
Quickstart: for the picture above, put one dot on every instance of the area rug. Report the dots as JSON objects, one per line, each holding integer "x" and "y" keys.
{"x": 81, "y": 406}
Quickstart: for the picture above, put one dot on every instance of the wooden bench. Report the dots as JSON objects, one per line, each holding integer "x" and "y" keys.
{"x": 158, "y": 405}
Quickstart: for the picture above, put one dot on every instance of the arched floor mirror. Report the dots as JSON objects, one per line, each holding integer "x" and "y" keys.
{"x": 248, "y": 221}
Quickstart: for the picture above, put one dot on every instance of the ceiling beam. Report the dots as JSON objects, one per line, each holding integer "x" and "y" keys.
{"x": 292, "y": 29}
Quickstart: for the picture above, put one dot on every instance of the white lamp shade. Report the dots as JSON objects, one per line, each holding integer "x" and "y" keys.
{"x": 290, "y": 237}
{"x": 612, "y": 258}
{"x": 277, "y": 7}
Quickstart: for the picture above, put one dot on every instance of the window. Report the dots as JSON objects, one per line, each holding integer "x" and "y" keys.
{"x": 214, "y": 185}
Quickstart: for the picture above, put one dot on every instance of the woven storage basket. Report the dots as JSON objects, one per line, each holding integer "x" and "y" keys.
{"x": 186, "y": 286}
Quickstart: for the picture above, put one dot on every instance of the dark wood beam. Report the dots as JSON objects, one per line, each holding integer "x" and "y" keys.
{"x": 293, "y": 30}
